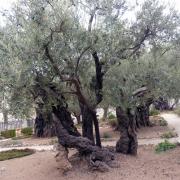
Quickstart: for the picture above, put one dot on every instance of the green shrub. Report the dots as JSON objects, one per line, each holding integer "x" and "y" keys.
{"x": 163, "y": 122}
{"x": 9, "y": 133}
{"x": 158, "y": 121}
{"x": 15, "y": 154}
{"x": 111, "y": 116}
{"x": 113, "y": 123}
{"x": 169, "y": 134}
{"x": 154, "y": 112}
{"x": 164, "y": 146}
{"x": 106, "y": 135}
{"x": 27, "y": 131}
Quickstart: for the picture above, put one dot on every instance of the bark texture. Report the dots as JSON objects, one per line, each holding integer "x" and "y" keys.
{"x": 162, "y": 104}
{"x": 142, "y": 116}
{"x": 98, "y": 157}
{"x": 127, "y": 144}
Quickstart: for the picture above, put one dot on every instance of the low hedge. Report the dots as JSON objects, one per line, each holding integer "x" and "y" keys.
{"x": 27, "y": 131}
{"x": 9, "y": 133}
{"x": 11, "y": 154}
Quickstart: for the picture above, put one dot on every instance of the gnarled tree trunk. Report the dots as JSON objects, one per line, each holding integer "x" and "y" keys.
{"x": 127, "y": 143}
{"x": 87, "y": 123}
{"x": 162, "y": 104}
{"x": 98, "y": 157}
{"x": 142, "y": 116}
{"x": 88, "y": 118}
{"x": 105, "y": 114}
{"x": 44, "y": 127}
{"x": 65, "y": 117}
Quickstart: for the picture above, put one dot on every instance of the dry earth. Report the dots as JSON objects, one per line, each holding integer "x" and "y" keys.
{"x": 146, "y": 166}
{"x": 143, "y": 133}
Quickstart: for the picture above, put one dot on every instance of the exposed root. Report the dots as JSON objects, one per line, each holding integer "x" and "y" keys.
{"x": 62, "y": 160}
{"x": 98, "y": 158}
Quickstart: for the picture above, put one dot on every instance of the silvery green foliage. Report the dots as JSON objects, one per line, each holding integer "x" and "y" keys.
{"x": 160, "y": 76}
{"x": 29, "y": 27}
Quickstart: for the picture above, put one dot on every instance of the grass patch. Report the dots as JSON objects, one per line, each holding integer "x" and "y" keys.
{"x": 15, "y": 154}
{"x": 158, "y": 121}
{"x": 169, "y": 134}
{"x": 163, "y": 122}
{"x": 154, "y": 112}
{"x": 106, "y": 135}
{"x": 8, "y": 133}
{"x": 164, "y": 146}
{"x": 27, "y": 131}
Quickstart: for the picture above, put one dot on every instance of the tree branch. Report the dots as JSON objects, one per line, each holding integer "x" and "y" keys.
{"x": 99, "y": 78}
{"x": 137, "y": 46}
{"x": 79, "y": 58}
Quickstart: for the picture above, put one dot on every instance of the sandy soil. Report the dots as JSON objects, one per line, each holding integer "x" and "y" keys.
{"x": 146, "y": 166}
{"x": 145, "y": 136}
{"x": 173, "y": 121}
{"x": 152, "y": 132}
{"x": 38, "y": 141}
{"x": 143, "y": 133}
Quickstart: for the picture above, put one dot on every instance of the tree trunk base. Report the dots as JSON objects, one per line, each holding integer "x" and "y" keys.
{"x": 127, "y": 144}
{"x": 85, "y": 147}
{"x": 63, "y": 163}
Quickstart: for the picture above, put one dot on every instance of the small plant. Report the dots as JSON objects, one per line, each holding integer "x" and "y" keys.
{"x": 113, "y": 123}
{"x": 106, "y": 135}
{"x": 163, "y": 122}
{"x": 177, "y": 111}
{"x": 8, "y": 133}
{"x": 154, "y": 112}
{"x": 169, "y": 134}
{"x": 111, "y": 116}
{"x": 15, "y": 154}
{"x": 158, "y": 121}
{"x": 27, "y": 131}
{"x": 164, "y": 146}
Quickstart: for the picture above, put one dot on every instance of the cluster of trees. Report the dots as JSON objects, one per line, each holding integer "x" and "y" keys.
{"x": 63, "y": 57}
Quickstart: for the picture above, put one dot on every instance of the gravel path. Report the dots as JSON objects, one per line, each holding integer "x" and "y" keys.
{"x": 173, "y": 122}
{"x": 37, "y": 148}
{"x": 172, "y": 119}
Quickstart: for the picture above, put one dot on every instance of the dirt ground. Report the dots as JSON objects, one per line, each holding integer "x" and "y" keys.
{"x": 143, "y": 133}
{"x": 146, "y": 166}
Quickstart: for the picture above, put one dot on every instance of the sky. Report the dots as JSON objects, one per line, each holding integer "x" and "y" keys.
{"x": 6, "y": 5}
